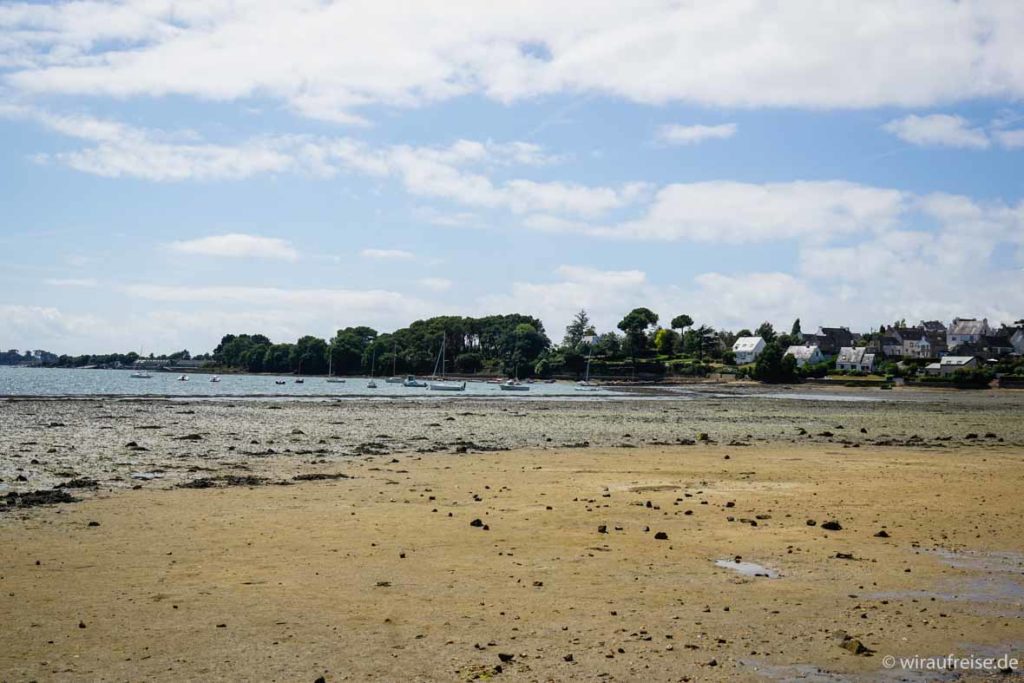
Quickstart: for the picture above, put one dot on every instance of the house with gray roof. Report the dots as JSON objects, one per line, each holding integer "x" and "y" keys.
{"x": 966, "y": 331}
{"x": 855, "y": 358}
{"x": 805, "y": 355}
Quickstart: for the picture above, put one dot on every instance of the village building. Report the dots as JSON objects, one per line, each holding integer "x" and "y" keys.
{"x": 951, "y": 364}
{"x": 805, "y": 355}
{"x": 855, "y": 358}
{"x": 966, "y": 331}
{"x": 747, "y": 349}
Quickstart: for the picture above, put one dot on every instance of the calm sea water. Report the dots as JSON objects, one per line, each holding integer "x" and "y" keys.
{"x": 67, "y": 382}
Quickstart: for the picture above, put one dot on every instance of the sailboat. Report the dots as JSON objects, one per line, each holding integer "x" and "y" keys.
{"x": 514, "y": 384}
{"x": 442, "y": 384}
{"x": 585, "y": 385}
{"x": 330, "y": 371}
{"x": 395, "y": 379}
{"x": 141, "y": 373}
{"x": 373, "y": 366}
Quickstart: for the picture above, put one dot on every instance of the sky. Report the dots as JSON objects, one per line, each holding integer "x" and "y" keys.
{"x": 174, "y": 170}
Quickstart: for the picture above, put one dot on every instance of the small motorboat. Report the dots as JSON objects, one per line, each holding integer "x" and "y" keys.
{"x": 335, "y": 380}
{"x": 300, "y": 381}
{"x": 141, "y": 375}
{"x": 280, "y": 381}
{"x": 513, "y": 385}
{"x": 183, "y": 378}
{"x": 411, "y": 381}
{"x": 371, "y": 384}
{"x": 215, "y": 378}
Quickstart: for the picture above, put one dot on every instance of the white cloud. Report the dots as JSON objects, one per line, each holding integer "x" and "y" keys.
{"x": 435, "y": 284}
{"x": 445, "y": 172}
{"x": 45, "y": 327}
{"x": 676, "y": 134}
{"x": 1010, "y": 139}
{"x": 738, "y": 213}
{"x": 356, "y": 54}
{"x": 236, "y": 245}
{"x": 938, "y": 130}
{"x": 387, "y": 254}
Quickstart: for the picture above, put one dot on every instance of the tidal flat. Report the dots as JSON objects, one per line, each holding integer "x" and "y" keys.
{"x": 519, "y": 540}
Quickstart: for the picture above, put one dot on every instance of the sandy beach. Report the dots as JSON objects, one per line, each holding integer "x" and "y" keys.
{"x": 493, "y": 540}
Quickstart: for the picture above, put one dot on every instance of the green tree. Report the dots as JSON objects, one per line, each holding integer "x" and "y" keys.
{"x": 309, "y": 356}
{"x": 665, "y": 341}
{"x": 765, "y": 331}
{"x": 681, "y": 322}
{"x": 795, "y": 330}
{"x": 773, "y": 366}
{"x": 635, "y": 326}
{"x": 579, "y": 328}
{"x": 348, "y": 349}
{"x": 469, "y": 362}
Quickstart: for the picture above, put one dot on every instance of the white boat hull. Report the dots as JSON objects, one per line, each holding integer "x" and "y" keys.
{"x": 514, "y": 387}
{"x": 447, "y": 386}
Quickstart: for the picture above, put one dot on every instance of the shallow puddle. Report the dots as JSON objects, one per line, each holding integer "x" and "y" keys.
{"x": 751, "y": 569}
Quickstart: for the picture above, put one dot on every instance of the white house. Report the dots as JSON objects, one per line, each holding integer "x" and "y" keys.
{"x": 805, "y": 355}
{"x": 858, "y": 358}
{"x": 950, "y": 364}
{"x": 966, "y": 331}
{"x": 747, "y": 349}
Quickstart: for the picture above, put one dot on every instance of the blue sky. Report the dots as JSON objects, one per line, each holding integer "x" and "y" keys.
{"x": 174, "y": 170}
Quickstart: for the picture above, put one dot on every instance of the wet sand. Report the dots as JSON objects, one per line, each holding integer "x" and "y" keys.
{"x": 380, "y": 574}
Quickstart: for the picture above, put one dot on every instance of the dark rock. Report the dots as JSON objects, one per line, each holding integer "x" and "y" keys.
{"x": 319, "y": 476}
{"x": 568, "y": 658}
{"x": 94, "y": 523}
{"x": 82, "y": 483}
{"x": 853, "y": 645}
{"x": 34, "y": 498}
{"x": 661, "y": 536}
{"x": 811, "y": 522}
{"x": 190, "y": 437}
{"x": 321, "y": 679}
{"x": 477, "y": 523}
{"x": 505, "y": 658}
{"x": 832, "y": 525}
{"x": 602, "y": 529}
{"x": 882, "y": 534}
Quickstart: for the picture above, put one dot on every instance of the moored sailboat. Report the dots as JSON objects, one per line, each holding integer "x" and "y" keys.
{"x": 442, "y": 384}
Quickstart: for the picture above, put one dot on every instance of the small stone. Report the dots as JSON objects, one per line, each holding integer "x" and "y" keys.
{"x": 832, "y": 525}
{"x": 882, "y": 534}
{"x": 477, "y": 523}
{"x": 568, "y": 658}
{"x": 811, "y": 522}
{"x": 602, "y": 529}
{"x": 94, "y": 523}
{"x": 505, "y": 658}
{"x": 661, "y": 536}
